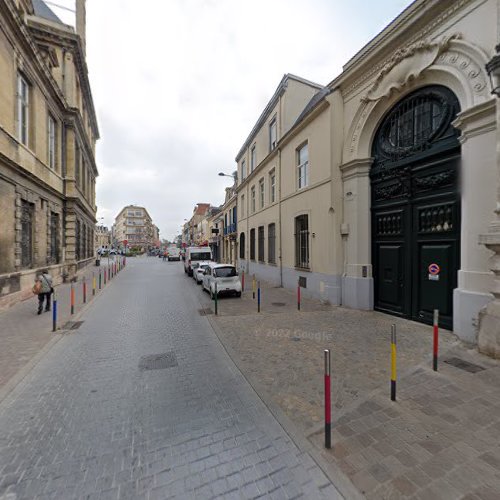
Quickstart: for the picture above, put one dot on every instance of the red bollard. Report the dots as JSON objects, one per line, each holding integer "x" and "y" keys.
{"x": 328, "y": 403}
{"x": 435, "y": 347}
{"x": 298, "y": 296}
{"x": 72, "y": 299}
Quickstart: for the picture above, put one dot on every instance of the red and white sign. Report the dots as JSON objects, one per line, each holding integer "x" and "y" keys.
{"x": 434, "y": 269}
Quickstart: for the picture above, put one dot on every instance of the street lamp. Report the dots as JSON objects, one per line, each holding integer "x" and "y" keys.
{"x": 234, "y": 175}
{"x": 493, "y": 69}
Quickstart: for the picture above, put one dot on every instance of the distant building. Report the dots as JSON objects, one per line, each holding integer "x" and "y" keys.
{"x": 134, "y": 225}
{"x": 48, "y": 131}
{"x": 102, "y": 237}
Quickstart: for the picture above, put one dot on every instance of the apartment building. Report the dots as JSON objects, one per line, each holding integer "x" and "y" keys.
{"x": 48, "y": 130}
{"x": 134, "y": 226}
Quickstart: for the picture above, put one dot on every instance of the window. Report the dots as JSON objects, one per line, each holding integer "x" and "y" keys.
{"x": 242, "y": 209}
{"x": 51, "y": 142}
{"x": 302, "y": 241}
{"x": 23, "y": 91}
{"x": 27, "y": 215}
{"x": 54, "y": 238}
{"x": 138, "y": 213}
{"x": 271, "y": 243}
{"x": 77, "y": 240}
{"x": 272, "y": 187}
{"x": 242, "y": 245}
{"x": 273, "y": 135}
{"x": 261, "y": 243}
{"x": 253, "y": 157}
{"x": 252, "y": 198}
{"x": 243, "y": 169}
{"x": 302, "y": 166}
{"x": 261, "y": 193}
{"x": 252, "y": 244}
{"x": 77, "y": 164}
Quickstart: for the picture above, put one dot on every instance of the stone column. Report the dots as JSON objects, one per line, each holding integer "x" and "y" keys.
{"x": 489, "y": 318}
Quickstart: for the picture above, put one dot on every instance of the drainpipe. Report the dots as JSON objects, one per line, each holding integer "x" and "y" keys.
{"x": 279, "y": 217}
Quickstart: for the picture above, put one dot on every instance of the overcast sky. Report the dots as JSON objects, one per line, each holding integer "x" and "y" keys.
{"x": 179, "y": 84}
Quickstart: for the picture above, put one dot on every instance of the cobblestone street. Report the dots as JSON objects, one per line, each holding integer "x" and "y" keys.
{"x": 142, "y": 402}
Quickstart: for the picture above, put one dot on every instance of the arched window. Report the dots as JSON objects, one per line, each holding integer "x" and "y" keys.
{"x": 242, "y": 245}
{"x": 416, "y": 124}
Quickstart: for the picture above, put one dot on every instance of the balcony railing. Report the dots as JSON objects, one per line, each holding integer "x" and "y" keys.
{"x": 230, "y": 229}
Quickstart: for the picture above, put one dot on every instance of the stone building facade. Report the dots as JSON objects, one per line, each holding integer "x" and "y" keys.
{"x": 134, "y": 225}
{"x": 48, "y": 130}
{"x": 375, "y": 189}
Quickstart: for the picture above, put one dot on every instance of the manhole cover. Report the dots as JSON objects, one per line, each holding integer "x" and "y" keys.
{"x": 464, "y": 365}
{"x": 158, "y": 361}
{"x": 204, "y": 312}
{"x": 72, "y": 325}
{"x": 278, "y": 304}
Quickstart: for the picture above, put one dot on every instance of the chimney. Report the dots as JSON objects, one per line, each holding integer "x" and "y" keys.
{"x": 81, "y": 21}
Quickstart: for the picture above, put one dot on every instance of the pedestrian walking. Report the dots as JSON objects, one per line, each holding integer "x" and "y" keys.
{"x": 43, "y": 288}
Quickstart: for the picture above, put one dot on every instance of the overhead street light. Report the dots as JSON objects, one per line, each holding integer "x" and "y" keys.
{"x": 234, "y": 175}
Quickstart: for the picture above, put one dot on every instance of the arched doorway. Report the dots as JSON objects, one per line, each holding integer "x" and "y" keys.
{"x": 416, "y": 207}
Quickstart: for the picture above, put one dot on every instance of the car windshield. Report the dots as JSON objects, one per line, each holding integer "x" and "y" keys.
{"x": 200, "y": 256}
{"x": 202, "y": 268}
{"x": 225, "y": 272}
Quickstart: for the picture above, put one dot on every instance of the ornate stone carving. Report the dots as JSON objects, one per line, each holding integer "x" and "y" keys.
{"x": 429, "y": 28}
{"x": 405, "y": 65}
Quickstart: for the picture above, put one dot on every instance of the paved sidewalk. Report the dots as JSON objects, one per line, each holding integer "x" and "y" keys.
{"x": 439, "y": 440}
{"x": 24, "y": 334}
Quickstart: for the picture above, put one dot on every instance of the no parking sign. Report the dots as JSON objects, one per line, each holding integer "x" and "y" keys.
{"x": 434, "y": 271}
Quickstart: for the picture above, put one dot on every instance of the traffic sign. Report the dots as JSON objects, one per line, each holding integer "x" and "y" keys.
{"x": 434, "y": 269}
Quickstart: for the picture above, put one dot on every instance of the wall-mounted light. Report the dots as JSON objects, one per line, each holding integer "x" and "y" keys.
{"x": 493, "y": 69}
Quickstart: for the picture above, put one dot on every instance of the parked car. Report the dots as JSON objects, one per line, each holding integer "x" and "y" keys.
{"x": 199, "y": 270}
{"x": 225, "y": 276}
{"x": 195, "y": 254}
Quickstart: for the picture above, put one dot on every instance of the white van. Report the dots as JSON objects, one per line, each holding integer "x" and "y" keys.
{"x": 173, "y": 253}
{"x": 194, "y": 254}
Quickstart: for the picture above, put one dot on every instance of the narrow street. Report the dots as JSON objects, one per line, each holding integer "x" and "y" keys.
{"x": 142, "y": 401}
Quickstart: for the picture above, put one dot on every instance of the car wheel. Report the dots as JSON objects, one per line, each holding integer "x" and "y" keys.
{"x": 238, "y": 294}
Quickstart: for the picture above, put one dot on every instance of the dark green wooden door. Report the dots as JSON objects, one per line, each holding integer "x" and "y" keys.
{"x": 416, "y": 208}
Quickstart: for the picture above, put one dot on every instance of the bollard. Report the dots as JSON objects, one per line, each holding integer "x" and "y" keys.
{"x": 100, "y": 280}
{"x": 258, "y": 297}
{"x": 436, "y": 340}
{"x": 72, "y": 299}
{"x": 242, "y": 281}
{"x": 254, "y": 283}
{"x": 84, "y": 290}
{"x": 93, "y": 283}
{"x": 54, "y": 312}
{"x": 328, "y": 404}
{"x": 393, "y": 362}
{"x": 105, "y": 275}
{"x": 215, "y": 298}
{"x": 298, "y": 295}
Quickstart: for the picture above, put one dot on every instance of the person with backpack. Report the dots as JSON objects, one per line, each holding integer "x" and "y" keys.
{"x": 43, "y": 288}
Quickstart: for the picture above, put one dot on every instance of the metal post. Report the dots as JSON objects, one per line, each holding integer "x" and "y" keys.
{"x": 93, "y": 283}
{"x": 436, "y": 340}
{"x": 100, "y": 278}
{"x": 105, "y": 275}
{"x": 242, "y": 281}
{"x": 328, "y": 408}
{"x": 254, "y": 283}
{"x": 84, "y": 290}
{"x": 298, "y": 295}
{"x": 258, "y": 297}
{"x": 215, "y": 298}
{"x": 72, "y": 298}
{"x": 393, "y": 363}
{"x": 54, "y": 312}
